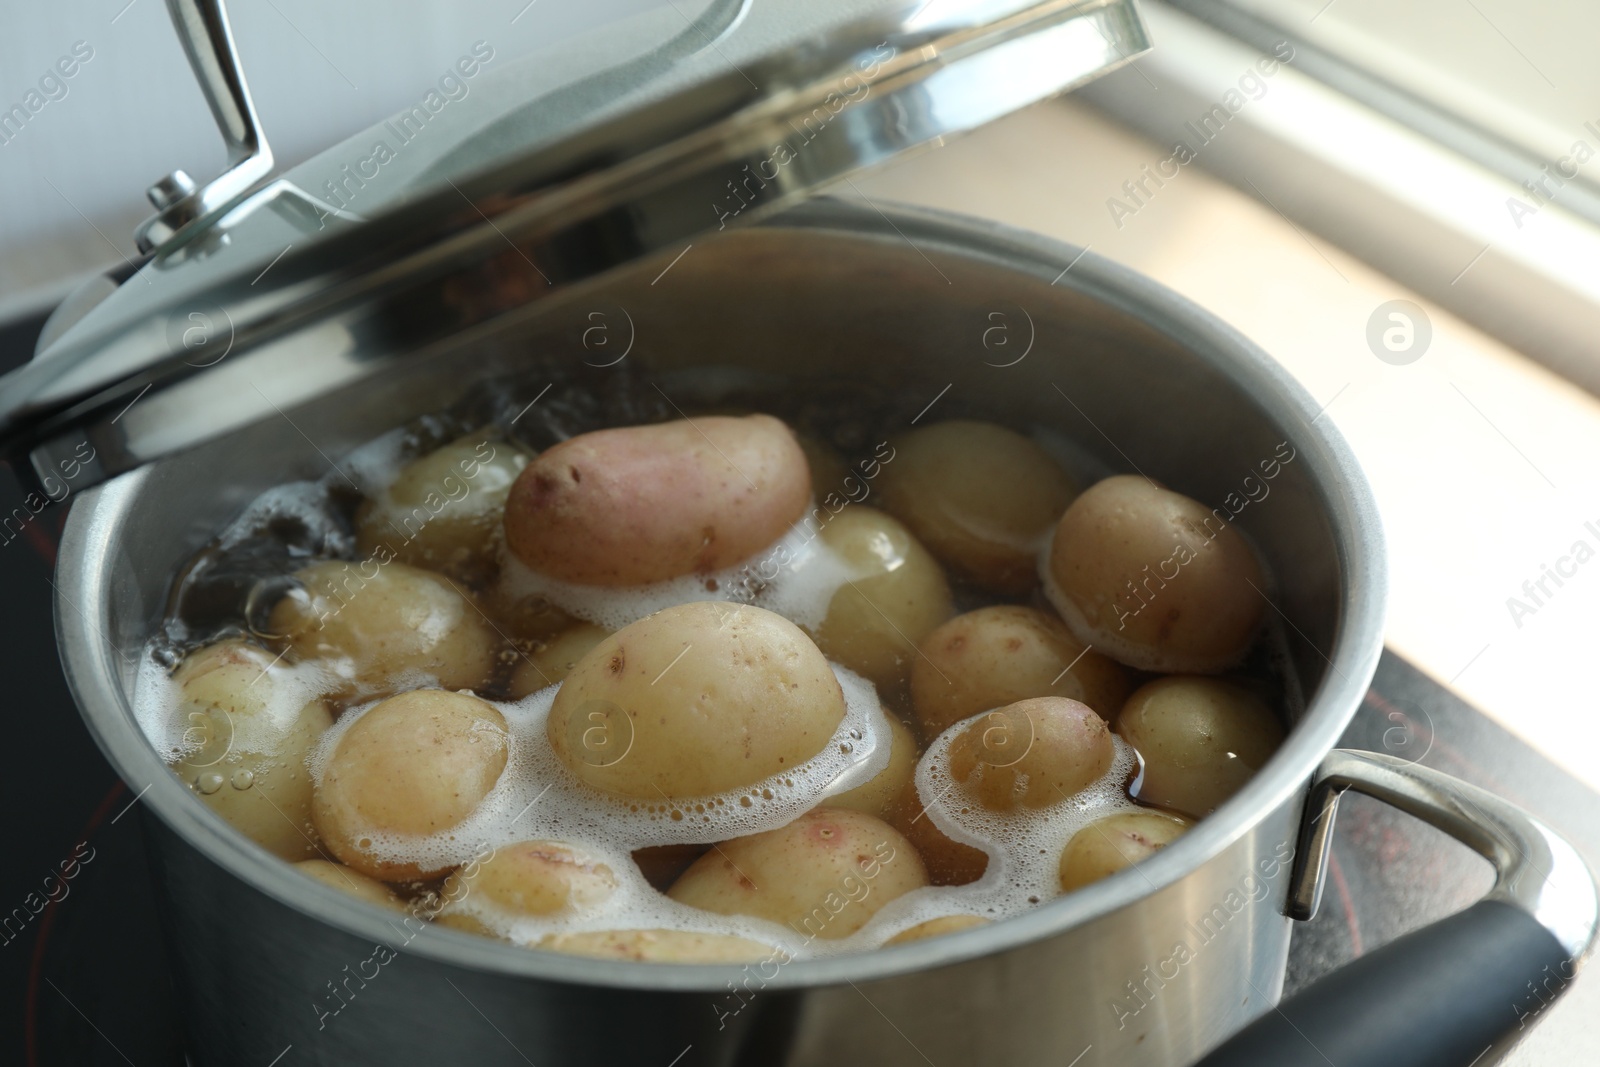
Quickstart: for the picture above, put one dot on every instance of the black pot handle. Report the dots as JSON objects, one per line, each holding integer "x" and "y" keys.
{"x": 1445, "y": 995}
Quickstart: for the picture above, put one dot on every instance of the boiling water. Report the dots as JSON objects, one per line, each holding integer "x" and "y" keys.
{"x": 537, "y": 798}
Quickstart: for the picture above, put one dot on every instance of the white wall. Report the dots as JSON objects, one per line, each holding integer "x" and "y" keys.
{"x": 72, "y": 179}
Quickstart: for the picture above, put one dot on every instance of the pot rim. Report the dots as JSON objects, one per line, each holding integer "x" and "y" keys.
{"x": 83, "y": 576}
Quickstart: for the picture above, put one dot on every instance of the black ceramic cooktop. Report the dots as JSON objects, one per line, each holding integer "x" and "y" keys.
{"x": 83, "y": 978}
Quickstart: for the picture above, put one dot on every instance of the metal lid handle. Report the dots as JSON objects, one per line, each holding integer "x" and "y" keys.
{"x": 182, "y": 207}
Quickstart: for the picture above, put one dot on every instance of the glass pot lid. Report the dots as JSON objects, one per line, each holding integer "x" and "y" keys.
{"x": 663, "y": 130}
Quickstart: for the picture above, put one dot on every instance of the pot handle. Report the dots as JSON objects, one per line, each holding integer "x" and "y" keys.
{"x": 1444, "y": 995}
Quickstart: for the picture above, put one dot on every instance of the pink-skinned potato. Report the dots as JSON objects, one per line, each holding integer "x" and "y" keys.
{"x": 641, "y": 504}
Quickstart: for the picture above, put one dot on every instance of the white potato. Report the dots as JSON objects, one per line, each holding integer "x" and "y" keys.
{"x": 444, "y": 510}
{"x": 944, "y": 924}
{"x": 660, "y": 946}
{"x": 529, "y": 878}
{"x": 897, "y": 597}
{"x": 948, "y": 861}
{"x": 350, "y": 881}
{"x": 551, "y": 661}
{"x": 981, "y": 497}
{"x": 1031, "y": 754}
{"x": 414, "y": 764}
{"x": 877, "y": 795}
{"x": 696, "y": 699}
{"x": 1201, "y": 740}
{"x": 246, "y": 738}
{"x": 999, "y": 655}
{"x": 1155, "y": 579}
{"x": 823, "y": 875}
{"x": 371, "y": 623}
{"x": 1116, "y": 842}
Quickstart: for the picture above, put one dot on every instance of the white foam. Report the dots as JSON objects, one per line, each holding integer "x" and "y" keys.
{"x": 796, "y": 576}
{"x": 1024, "y": 845}
{"x": 284, "y": 688}
{"x": 156, "y": 707}
{"x": 538, "y": 798}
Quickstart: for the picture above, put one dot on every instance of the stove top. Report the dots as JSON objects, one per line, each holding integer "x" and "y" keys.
{"x": 85, "y": 981}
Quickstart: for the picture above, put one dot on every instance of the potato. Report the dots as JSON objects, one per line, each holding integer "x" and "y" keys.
{"x": 949, "y": 862}
{"x": 1154, "y": 579}
{"x": 414, "y": 764}
{"x": 696, "y": 699}
{"x": 1201, "y": 739}
{"x": 661, "y": 946}
{"x": 355, "y": 883}
{"x": 944, "y": 924}
{"x": 875, "y": 621}
{"x": 876, "y": 796}
{"x": 998, "y": 655}
{"x": 372, "y": 622}
{"x": 553, "y": 660}
{"x": 527, "y": 879}
{"x": 641, "y": 504}
{"x": 1031, "y": 754}
{"x": 981, "y": 497}
{"x": 443, "y": 511}
{"x": 823, "y": 875}
{"x": 246, "y": 740}
{"x": 1109, "y": 845}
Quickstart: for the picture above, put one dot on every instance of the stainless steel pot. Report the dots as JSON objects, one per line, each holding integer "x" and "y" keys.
{"x": 364, "y": 325}
{"x": 1153, "y": 966}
